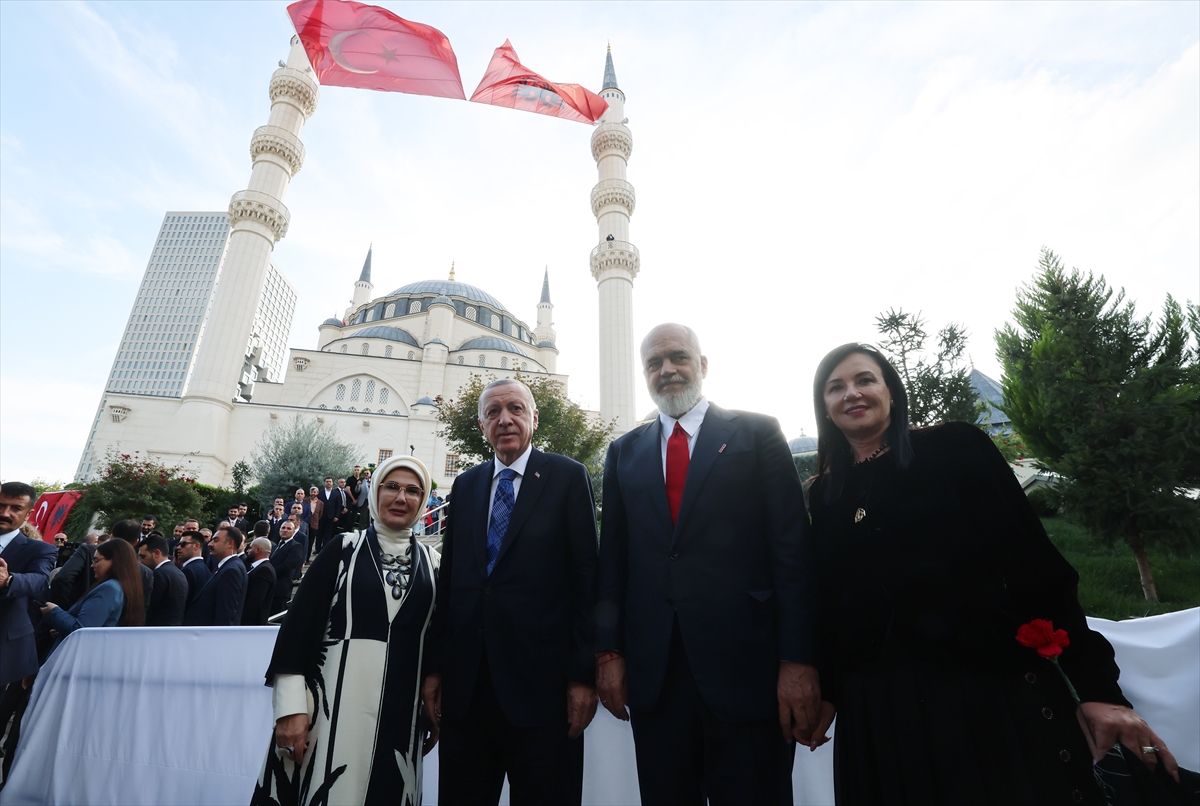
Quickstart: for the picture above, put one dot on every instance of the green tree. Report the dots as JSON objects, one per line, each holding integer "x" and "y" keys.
{"x": 298, "y": 454}
{"x": 939, "y": 386}
{"x": 241, "y": 477}
{"x": 44, "y": 486}
{"x": 132, "y": 487}
{"x": 1111, "y": 402}
{"x": 563, "y": 427}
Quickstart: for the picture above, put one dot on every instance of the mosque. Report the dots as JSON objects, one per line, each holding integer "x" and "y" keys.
{"x": 375, "y": 374}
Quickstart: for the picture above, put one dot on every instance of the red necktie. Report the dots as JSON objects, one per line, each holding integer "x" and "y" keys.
{"x": 677, "y": 467}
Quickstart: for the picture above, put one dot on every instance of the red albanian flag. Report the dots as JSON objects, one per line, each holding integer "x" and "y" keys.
{"x": 50, "y": 512}
{"x": 509, "y": 83}
{"x": 356, "y": 45}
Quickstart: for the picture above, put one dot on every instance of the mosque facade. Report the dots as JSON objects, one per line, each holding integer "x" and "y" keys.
{"x": 375, "y": 374}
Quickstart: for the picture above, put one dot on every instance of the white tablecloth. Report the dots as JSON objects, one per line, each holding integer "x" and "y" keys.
{"x": 176, "y": 715}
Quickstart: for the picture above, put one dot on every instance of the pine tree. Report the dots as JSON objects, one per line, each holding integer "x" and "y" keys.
{"x": 298, "y": 455}
{"x": 1111, "y": 402}
{"x": 939, "y": 388}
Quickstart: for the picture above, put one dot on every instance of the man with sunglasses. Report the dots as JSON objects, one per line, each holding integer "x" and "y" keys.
{"x": 190, "y": 556}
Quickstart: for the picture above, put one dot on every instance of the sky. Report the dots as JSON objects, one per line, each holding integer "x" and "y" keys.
{"x": 799, "y": 169}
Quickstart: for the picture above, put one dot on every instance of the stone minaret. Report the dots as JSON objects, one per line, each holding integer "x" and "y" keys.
{"x": 615, "y": 262}
{"x": 258, "y": 219}
{"x": 364, "y": 286}
{"x": 544, "y": 333}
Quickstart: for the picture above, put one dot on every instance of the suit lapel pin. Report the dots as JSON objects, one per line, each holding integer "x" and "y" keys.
{"x": 722, "y": 450}
{"x": 537, "y": 475}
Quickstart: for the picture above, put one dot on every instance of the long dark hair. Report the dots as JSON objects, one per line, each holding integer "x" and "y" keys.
{"x": 125, "y": 571}
{"x": 834, "y": 455}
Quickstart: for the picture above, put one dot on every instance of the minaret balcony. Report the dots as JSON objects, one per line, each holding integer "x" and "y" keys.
{"x": 615, "y": 256}
{"x": 255, "y": 205}
{"x": 613, "y": 191}
{"x": 280, "y": 142}
{"x": 611, "y": 137}
{"x": 298, "y": 85}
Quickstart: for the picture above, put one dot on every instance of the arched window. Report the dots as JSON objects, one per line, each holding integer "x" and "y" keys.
{"x": 461, "y": 361}
{"x": 383, "y": 397}
{"x": 472, "y": 314}
{"x": 411, "y": 355}
{"x": 504, "y": 363}
{"x": 395, "y": 414}
{"x": 389, "y": 311}
{"x": 322, "y": 406}
{"x": 387, "y": 351}
{"x": 370, "y": 392}
{"x": 495, "y": 322}
{"x": 344, "y": 347}
{"x": 366, "y": 349}
{"x": 353, "y": 409}
{"x": 340, "y": 392}
{"x": 482, "y": 361}
{"x": 337, "y": 408}
{"x": 355, "y": 389}
{"x": 371, "y": 315}
{"x": 524, "y": 365}
{"x": 513, "y": 331}
{"x": 415, "y": 307}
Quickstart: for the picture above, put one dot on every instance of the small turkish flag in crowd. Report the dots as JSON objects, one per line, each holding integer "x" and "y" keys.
{"x": 357, "y": 45}
{"x": 512, "y": 84}
{"x": 50, "y": 512}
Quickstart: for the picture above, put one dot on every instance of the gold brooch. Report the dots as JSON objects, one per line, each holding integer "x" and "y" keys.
{"x": 859, "y": 514}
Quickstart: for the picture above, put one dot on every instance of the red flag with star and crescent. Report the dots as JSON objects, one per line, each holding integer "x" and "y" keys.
{"x": 509, "y": 83}
{"x": 50, "y": 512}
{"x": 356, "y": 45}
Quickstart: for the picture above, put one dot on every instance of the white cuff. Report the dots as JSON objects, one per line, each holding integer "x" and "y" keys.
{"x": 289, "y": 696}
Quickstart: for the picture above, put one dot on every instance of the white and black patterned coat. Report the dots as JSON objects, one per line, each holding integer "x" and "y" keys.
{"x": 363, "y": 675}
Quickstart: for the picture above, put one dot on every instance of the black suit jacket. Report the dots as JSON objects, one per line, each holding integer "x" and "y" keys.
{"x": 333, "y": 502}
{"x": 260, "y": 590}
{"x": 534, "y": 614}
{"x": 734, "y": 570}
{"x": 29, "y": 564}
{"x": 168, "y": 600}
{"x": 219, "y": 603}
{"x": 287, "y": 560}
{"x": 198, "y": 576}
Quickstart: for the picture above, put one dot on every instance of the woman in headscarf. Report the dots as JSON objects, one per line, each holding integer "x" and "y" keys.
{"x": 346, "y": 669}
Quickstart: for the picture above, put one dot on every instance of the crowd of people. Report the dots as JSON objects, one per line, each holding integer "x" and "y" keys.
{"x": 915, "y": 596}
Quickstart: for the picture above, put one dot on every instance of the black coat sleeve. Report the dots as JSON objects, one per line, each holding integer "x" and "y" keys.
{"x": 299, "y": 644}
{"x": 581, "y": 527}
{"x": 614, "y": 559}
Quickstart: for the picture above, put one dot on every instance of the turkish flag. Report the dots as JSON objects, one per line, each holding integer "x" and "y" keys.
{"x": 509, "y": 83}
{"x": 356, "y": 45}
{"x": 51, "y": 510}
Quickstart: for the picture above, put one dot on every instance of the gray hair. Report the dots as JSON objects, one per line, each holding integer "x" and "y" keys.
{"x": 504, "y": 382}
{"x": 692, "y": 338}
{"x": 261, "y": 544}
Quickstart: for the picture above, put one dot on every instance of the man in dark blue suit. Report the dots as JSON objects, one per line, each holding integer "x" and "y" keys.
{"x": 25, "y": 567}
{"x": 704, "y": 621}
{"x": 510, "y": 659}
{"x": 168, "y": 598}
{"x": 219, "y": 603}
{"x": 287, "y": 559}
{"x": 190, "y": 556}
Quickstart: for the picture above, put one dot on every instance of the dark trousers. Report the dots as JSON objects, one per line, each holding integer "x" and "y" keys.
{"x": 686, "y": 754}
{"x": 324, "y": 533}
{"x": 475, "y": 753}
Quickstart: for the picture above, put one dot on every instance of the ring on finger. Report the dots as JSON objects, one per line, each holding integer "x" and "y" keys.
{"x": 1149, "y": 749}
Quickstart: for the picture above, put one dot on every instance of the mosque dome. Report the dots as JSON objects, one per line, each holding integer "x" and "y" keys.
{"x": 492, "y": 343}
{"x": 425, "y": 401}
{"x": 803, "y": 444}
{"x": 385, "y": 332}
{"x": 442, "y": 299}
{"x": 333, "y": 320}
{"x": 450, "y": 288}
{"x": 546, "y": 343}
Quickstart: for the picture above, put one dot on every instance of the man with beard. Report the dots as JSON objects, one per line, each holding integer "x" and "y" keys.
{"x": 25, "y": 567}
{"x": 704, "y": 622}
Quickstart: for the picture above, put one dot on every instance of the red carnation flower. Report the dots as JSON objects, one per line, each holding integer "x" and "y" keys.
{"x": 1040, "y": 634}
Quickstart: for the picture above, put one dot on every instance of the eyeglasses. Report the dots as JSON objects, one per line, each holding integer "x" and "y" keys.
{"x": 412, "y": 491}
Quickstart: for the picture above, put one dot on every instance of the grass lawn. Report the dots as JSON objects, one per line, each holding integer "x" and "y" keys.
{"x": 1108, "y": 576}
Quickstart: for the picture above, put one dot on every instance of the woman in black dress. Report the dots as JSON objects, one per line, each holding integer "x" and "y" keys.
{"x": 346, "y": 669}
{"x": 931, "y": 558}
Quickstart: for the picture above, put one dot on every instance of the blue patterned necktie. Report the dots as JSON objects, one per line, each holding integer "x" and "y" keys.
{"x": 502, "y": 508}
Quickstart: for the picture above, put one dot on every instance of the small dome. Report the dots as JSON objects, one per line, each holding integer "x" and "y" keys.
{"x": 333, "y": 320}
{"x": 385, "y": 332}
{"x": 425, "y": 401}
{"x": 442, "y": 299}
{"x": 436, "y": 340}
{"x": 803, "y": 444}
{"x": 492, "y": 343}
{"x": 546, "y": 343}
{"x": 450, "y": 288}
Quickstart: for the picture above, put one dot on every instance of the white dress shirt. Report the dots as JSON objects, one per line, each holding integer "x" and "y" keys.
{"x": 518, "y": 467}
{"x": 7, "y": 537}
{"x": 690, "y": 422}
{"x": 227, "y": 559}
{"x": 192, "y": 560}
{"x": 257, "y": 563}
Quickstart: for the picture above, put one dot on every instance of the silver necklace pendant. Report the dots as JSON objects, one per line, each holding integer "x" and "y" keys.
{"x": 397, "y": 591}
{"x": 859, "y": 514}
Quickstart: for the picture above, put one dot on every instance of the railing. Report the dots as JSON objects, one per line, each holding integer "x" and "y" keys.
{"x": 624, "y": 246}
{"x": 433, "y": 539}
